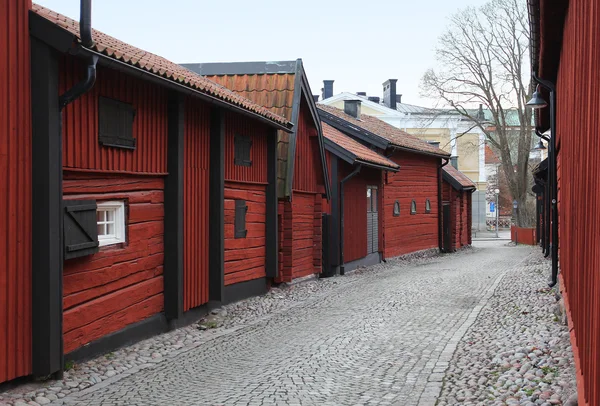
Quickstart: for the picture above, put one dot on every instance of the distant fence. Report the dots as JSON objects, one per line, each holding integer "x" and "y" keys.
{"x": 503, "y": 222}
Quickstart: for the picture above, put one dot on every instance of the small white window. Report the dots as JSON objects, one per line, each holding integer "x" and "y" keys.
{"x": 110, "y": 218}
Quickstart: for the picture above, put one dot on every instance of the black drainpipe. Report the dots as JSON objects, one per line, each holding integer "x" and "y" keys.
{"x": 347, "y": 178}
{"x": 440, "y": 224}
{"x": 69, "y": 96}
{"x": 85, "y": 29}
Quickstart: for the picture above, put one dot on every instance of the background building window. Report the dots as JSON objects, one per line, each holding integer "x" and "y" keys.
{"x": 115, "y": 123}
{"x": 242, "y": 145}
{"x": 110, "y": 221}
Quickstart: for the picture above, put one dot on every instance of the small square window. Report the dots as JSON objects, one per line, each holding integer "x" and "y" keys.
{"x": 115, "y": 123}
{"x": 110, "y": 221}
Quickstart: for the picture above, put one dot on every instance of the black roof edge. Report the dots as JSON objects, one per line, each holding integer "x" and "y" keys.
{"x": 340, "y": 152}
{"x": 362, "y": 134}
{"x": 241, "y": 68}
{"x": 456, "y": 184}
{"x": 57, "y": 37}
{"x": 443, "y": 155}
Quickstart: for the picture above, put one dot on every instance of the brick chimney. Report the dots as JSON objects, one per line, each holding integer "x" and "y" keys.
{"x": 327, "y": 89}
{"x": 352, "y": 108}
{"x": 398, "y": 99}
{"x": 374, "y": 99}
{"x": 389, "y": 93}
{"x": 363, "y": 94}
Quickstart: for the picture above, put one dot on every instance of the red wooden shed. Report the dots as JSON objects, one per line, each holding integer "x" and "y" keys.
{"x": 565, "y": 38}
{"x": 283, "y": 88}
{"x": 457, "y": 193}
{"x": 411, "y": 197}
{"x": 353, "y": 225}
{"x": 163, "y": 174}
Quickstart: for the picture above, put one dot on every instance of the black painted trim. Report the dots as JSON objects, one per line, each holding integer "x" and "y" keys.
{"x": 173, "y": 271}
{"x": 289, "y": 176}
{"x": 334, "y": 254}
{"x": 272, "y": 244}
{"x": 243, "y": 290}
{"x": 354, "y": 131}
{"x": 47, "y": 216}
{"x": 49, "y": 33}
{"x": 340, "y": 152}
{"x": 216, "y": 208}
{"x": 455, "y": 183}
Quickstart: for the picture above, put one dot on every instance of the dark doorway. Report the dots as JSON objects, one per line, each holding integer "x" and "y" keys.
{"x": 372, "y": 220}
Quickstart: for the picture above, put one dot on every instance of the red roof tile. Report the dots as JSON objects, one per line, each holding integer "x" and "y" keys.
{"x": 460, "y": 177}
{"x": 158, "y": 65}
{"x": 361, "y": 152}
{"x": 490, "y": 156}
{"x": 387, "y": 131}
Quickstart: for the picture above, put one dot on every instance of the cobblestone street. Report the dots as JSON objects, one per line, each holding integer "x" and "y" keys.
{"x": 383, "y": 336}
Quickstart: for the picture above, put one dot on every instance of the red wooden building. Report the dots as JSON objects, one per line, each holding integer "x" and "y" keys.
{"x": 353, "y": 222}
{"x": 154, "y": 204}
{"x": 411, "y": 197}
{"x": 15, "y": 191}
{"x": 565, "y": 39}
{"x": 457, "y": 191}
{"x": 283, "y": 88}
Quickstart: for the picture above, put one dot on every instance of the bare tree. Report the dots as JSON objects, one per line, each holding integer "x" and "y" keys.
{"x": 483, "y": 59}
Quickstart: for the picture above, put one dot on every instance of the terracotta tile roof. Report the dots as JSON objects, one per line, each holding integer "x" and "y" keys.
{"x": 387, "y": 131}
{"x": 273, "y": 91}
{"x": 361, "y": 152}
{"x": 490, "y": 156}
{"x": 114, "y": 48}
{"x": 458, "y": 176}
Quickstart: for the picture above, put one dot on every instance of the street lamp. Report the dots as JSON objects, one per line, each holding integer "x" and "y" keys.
{"x": 540, "y": 147}
{"x": 497, "y": 192}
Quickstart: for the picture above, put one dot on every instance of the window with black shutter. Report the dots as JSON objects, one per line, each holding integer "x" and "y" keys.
{"x": 80, "y": 228}
{"x": 115, "y": 123}
{"x": 240, "y": 219}
{"x": 242, "y": 145}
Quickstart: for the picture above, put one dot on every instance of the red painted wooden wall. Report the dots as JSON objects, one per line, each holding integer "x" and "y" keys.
{"x": 460, "y": 212}
{"x": 578, "y": 109}
{"x": 245, "y": 257}
{"x": 195, "y": 203}
{"x": 417, "y": 179}
{"x": 15, "y": 191}
{"x": 122, "y": 284}
{"x": 355, "y": 210}
{"x": 80, "y": 123}
{"x": 308, "y": 175}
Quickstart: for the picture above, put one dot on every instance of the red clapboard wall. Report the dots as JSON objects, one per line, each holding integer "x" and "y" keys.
{"x": 123, "y": 283}
{"x": 416, "y": 180}
{"x": 195, "y": 203}
{"x": 355, "y": 209}
{"x": 308, "y": 174}
{"x": 15, "y": 191}
{"x": 578, "y": 109}
{"x": 245, "y": 257}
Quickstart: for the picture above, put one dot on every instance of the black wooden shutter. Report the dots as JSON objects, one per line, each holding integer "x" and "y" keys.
{"x": 240, "y": 219}
{"x": 80, "y": 228}
{"x": 115, "y": 123}
{"x": 242, "y": 145}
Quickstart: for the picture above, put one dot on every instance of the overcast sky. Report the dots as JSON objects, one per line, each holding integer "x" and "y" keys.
{"x": 357, "y": 44}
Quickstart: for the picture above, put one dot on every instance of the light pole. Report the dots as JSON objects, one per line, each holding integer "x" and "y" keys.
{"x": 497, "y": 192}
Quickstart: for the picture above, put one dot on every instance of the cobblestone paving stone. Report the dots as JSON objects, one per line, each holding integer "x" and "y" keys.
{"x": 518, "y": 351}
{"x": 373, "y": 340}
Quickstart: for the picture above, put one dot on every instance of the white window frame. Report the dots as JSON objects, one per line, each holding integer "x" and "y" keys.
{"x": 119, "y": 236}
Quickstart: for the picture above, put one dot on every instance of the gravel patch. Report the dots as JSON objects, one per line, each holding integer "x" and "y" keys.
{"x": 148, "y": 353}
{"x": 518, "y": 352}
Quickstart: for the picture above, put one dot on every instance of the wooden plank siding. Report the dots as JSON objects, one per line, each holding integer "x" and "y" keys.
{"x": 460, "y": 212}
{"x": 578, "y": 109}
{"x": 355, "y": 209}
{"x": 417, "y": 179}
{"x": 81, "y": 149}
{"x": 245, "y": 257}
{"x": 308, "y": 174}
{"x": 15, "y": 191}
{"x": 195, "y": 203}
{"x": 121, "y": 284}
